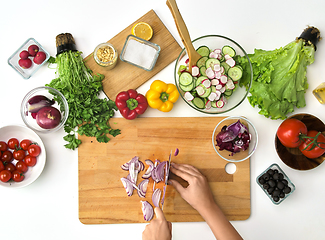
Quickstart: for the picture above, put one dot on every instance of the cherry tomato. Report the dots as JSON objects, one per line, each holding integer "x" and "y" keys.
{"x": 19, "y": 154}
{"x": 2, "y": 167}
{"x": 289, "y": 132}
{"x": 318, "y": 150}
{"x": 10, "y": 167}
{"x": 21, "y": 166}
{"x": 6, "y": 156}
{"x": 5, "y": 175}
{"x": 34, "y": 150}
{"x": 30, "y": 161}
{"x": 24, "y": 144}
{"x": 13, "y": 143}
{"x": 17, "y": 176}
{"x": 3, "y": 146}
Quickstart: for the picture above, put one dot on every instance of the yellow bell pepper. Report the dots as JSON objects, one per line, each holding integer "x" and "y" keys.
{"x": 162, "y": 96}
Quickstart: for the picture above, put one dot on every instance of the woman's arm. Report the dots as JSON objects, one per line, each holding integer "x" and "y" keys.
{"x": 198, "y": 194}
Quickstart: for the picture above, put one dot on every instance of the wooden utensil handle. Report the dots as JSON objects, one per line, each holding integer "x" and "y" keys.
{"x": 180, "y": 25}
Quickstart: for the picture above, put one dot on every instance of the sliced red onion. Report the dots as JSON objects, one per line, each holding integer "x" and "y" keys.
{"x": 176, "y": 152}
{"x": 128, "y": 186}
{"x": 37, "y": 102}
{"x": 147, "y": 210}
{"x": 138, "y": 164}
{"x": 163, "y": 197}
{"x": 133, "y": 172}
{"x": 143, "y": 188}
{"x": 147, "y": 174}
{"x": 156, "y": 197}
{"x": 158, "y": 172}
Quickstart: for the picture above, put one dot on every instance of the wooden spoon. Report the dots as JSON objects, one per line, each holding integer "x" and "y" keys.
{"x": 184, "y": 34}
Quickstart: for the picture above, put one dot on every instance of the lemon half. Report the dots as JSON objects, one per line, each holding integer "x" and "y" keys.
{"x": 142, "y": 30}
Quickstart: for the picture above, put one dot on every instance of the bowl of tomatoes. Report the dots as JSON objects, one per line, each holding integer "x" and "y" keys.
{"x": 300, "y": 141}
{"x": 22, "y": 156}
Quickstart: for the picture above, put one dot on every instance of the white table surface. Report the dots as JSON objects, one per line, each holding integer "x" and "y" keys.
{"x": 48, "y": 208}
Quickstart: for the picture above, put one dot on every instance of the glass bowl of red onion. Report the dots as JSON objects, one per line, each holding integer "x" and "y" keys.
{"x": 235, "y": 139}
{"x": 44, "y": 109}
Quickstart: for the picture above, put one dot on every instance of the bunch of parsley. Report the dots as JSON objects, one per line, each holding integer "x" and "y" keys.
{"x": 88, "y": 114}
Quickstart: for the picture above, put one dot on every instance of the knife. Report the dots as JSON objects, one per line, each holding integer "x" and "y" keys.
{"x": 166, "y": 180}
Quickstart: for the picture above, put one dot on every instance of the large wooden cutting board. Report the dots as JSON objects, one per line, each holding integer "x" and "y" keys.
{"x": 102, "y": 197}
{"x": 126, "y": 76}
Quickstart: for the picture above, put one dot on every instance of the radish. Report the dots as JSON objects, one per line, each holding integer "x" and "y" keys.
{"x": 206, "y": 83}
{"x": 231, "y": 62}
{"x": 227, "y": 57}
{"x": 188, "y": 96}
{"x": 217, "y": 75}
{"x": 223, "y": 79}
{"x": 217, "y": 50}
{"x": 213, "y": 55}
{"x": 195, "y": 71}
{"x": 220, "y": 103}
{"x": 212, "y": 96}
{"x": 223, "y": 89}
{"x": 208, "y": 105}
{"x": 215, "y": 82}
{"x": 200, "y": 90}
{"x": 210, "y": 73}
{"x": 230, "y": 84}
{"x": 216, "y": 68}
{"x": 187, "y": 61}
{"x": 219, "y": 86}
{"x": 222, "y": 69}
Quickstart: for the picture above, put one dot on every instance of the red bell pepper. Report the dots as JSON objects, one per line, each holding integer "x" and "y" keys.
{"x": 131, "y": 104}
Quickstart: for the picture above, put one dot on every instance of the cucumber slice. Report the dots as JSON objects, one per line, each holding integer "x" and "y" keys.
{"x": 204, "y": 51}
{"x": 214, "y": 104}
{"x": 185, "y": 79}
{"x": 228, "y": 50}
{"x": 202, "y": 71}
{"x": 228, "y": 92}
{"x": 207, "y": 91}
{"x": 225, "y": 67}
{"x": 198, "y": 102}
{"x": 199, "y": 80}
{"x": 187, "y": 88}
{"x": 201, "y": 62}
{"x": 235, "y": 73}
{"x": 211, "y": 62}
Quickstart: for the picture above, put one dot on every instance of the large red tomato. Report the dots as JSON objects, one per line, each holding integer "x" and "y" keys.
{"x": 289, "y": 132}
{"x": 314, "y": 150}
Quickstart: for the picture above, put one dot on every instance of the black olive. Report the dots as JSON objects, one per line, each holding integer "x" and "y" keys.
{"x": 287, "y": 190}
{"x": 271, "y": 183}
{"x": 280, "y": 185}
{"x": 276, "y": 171}
{"x": 276, "y": 198}
{"x": 261, "y": 180}
{"x": 266, "y": 186}
{"x": 281, "y": 176}
{"x": 276, "y": 193}
{"x": 270, "y": 171}
{"x": 276, "y": 176}
{"x": 266, "y": 176}
{"x": 270, "y": 190}
{"x": 282, "y": 195}
{"x": 285, "y": 182}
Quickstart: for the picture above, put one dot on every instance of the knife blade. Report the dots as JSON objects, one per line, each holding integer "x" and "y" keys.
{"x": 166, "y": 180}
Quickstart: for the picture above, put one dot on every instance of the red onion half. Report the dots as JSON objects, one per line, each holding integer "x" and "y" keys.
{"x": 147, "y": 210}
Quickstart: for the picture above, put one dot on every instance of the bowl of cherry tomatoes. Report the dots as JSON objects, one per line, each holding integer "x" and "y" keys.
{"x": 300, "y": 141}
{"x": 22, "y": 156}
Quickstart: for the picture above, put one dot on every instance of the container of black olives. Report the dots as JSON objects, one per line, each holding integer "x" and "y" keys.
{"x": 275, "y": 183}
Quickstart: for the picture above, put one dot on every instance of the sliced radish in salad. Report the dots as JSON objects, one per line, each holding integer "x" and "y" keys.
{"x": 188, "y": 96}
{"x": 200, "y": 90}
{"x": 215, "y": 82}
{"x": 206, "y": 83}
{"x": 223, "y": 79}
{"x": 195, "y": 71}
{"x": 210, "y": 73}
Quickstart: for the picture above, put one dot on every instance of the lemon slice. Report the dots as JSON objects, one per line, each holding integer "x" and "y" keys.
{"x": 142, "y": 30}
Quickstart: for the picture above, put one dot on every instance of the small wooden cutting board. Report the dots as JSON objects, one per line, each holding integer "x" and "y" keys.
{"x": 102, "y": 197}
{"x": 126, "y": 76}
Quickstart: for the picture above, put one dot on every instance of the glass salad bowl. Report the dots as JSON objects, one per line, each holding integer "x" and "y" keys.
{"x": 242, "y": 136}
{"x": 223, "y": 86}
{"x": 40, "y": 106}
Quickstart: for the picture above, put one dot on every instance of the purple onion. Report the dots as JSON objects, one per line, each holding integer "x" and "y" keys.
{"x": 128, "y": 186}
{"x": 142, "y": 188}
{"x": 37, "y": 102}
{"x": 156, "y": 197}
{"x": 147, "y": 210}
{"x": 176, "y": 152}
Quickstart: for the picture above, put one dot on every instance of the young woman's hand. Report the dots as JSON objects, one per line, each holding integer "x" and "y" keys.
{"x": 158, "y": 228}
{"x": 198, "y": 193}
